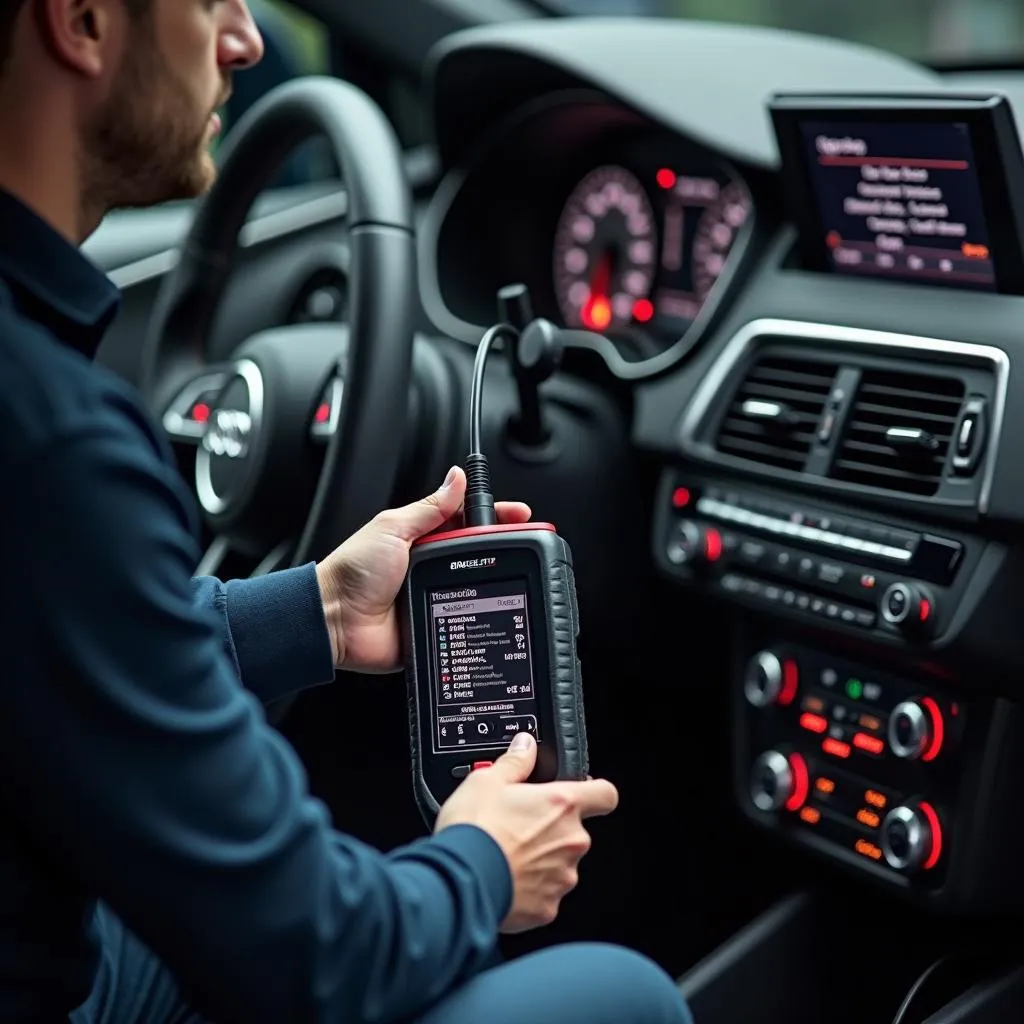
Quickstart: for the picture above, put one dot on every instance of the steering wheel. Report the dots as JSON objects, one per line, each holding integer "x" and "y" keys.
{"x": 300, "y": 432}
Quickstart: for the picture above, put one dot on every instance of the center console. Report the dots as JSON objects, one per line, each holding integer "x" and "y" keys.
{"x": 849, "y": 498}
{"x": 877, "y": 624}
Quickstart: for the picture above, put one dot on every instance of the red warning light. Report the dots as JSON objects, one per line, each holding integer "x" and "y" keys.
{"x": 681, "y": 497}
{"x": 597, "y": 312}
{"x": 323, "y": 413}
{"x": 667, "y": 178}
{"x": 200, "y": 412}
{"x": 643, "y": 311}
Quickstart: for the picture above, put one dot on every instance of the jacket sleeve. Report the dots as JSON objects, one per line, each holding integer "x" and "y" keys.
{"x": 147, "y": 769}
{"x": 272, "y": 629}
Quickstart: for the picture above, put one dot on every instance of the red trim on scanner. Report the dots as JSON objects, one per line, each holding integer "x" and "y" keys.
{"x": 479, "y": 531}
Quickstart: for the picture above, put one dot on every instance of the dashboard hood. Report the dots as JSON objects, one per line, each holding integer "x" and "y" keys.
{"x": 708, "y": 81}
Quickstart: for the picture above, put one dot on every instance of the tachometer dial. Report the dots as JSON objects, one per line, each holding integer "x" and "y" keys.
{"x": 716, "y": 233}
{"x": 606, "y": 252}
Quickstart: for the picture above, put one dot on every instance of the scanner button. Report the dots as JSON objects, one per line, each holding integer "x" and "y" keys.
{"x": 482, "y": 764}
{"x": 460, "y": 771}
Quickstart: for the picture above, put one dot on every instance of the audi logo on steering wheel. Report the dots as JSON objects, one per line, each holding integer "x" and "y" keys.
{"x": 228, "y": 433}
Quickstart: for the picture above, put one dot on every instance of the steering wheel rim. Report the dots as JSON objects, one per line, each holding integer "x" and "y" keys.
{"x": 363, "y": 454}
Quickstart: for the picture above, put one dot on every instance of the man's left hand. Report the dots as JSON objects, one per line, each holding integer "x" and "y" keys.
{"x": 360, "y": 581}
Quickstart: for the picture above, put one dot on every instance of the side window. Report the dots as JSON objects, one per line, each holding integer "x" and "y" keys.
{"x": 295, "y": 44}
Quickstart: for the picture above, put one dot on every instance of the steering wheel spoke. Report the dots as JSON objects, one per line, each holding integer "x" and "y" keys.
{"x": 188, "y": 415}
{"x": 226, "y": 560}
{"x": 327, "y": 415}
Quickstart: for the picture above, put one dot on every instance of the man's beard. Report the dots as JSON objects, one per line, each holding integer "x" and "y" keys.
{"x": 148, "y": 143}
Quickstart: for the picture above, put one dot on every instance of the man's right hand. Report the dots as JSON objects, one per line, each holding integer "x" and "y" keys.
{"x": 539, "y": 827}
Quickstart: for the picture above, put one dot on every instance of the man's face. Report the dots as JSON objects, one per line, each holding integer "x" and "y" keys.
{"x": 149, "y": 141}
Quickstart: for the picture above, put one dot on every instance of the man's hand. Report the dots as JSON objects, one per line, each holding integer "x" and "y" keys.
{"x": 539, "y": 827}
{"x": 361, "y": 579}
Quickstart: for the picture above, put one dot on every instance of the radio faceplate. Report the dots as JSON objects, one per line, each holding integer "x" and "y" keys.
{"x": 801, "y": 560}
{"x": 860, "y": 764}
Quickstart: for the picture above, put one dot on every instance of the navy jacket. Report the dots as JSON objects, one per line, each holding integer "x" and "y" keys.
{"x": 135, "y": 768}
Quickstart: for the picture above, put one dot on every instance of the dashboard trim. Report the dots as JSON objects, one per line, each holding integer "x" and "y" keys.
{"x": 746, "y": 338}
{"x": 266, "y": 228}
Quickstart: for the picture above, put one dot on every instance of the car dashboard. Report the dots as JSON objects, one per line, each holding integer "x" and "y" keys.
{"x": 838, "y": 460}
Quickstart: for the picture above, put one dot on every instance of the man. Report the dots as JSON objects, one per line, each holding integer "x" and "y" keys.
{"x": 160, "y": 854}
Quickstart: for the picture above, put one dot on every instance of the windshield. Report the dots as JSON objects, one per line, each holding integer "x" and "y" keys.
{"x": 935, "y": 30}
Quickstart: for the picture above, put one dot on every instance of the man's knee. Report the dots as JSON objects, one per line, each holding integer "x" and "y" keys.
{"x": 640, "y": 991}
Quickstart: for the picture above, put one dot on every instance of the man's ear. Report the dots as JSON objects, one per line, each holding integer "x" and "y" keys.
{"x": 85, "y": 36}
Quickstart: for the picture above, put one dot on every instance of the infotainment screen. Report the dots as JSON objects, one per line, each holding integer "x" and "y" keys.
{"x": 900, "y": 200}
{"x": 913, "y": 190}
{"x": 483, "y": 689}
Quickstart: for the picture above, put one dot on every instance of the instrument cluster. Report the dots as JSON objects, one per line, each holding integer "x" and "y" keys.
{"x": 639, "y": 249}
{"x": 614, "y": 225}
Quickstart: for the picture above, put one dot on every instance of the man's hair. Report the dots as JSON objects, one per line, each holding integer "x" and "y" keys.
{"x": 10, "y": 9}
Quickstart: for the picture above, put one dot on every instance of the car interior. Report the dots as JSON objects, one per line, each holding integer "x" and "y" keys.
{"x": 785, "y": 271}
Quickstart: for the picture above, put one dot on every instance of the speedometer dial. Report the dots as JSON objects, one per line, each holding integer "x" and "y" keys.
{"x": 716, "y": 233}
{"x": 606, "y": 252}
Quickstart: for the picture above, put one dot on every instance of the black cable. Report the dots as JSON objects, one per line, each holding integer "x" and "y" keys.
{"x": 915, "y": 989}
{"x": 479, "y": 505}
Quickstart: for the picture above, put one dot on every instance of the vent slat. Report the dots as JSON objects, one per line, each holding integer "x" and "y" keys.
{"x": 886, "y": 400}
{"x": 875, "y": 413}
{"x": 802, "y": 386}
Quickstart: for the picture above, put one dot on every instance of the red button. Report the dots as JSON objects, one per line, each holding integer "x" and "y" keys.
{"x": 836, "y": 748}
{"x": 482, "y": 764}
{"x": 869, "y": 744}
{"x": 813, "y": 723}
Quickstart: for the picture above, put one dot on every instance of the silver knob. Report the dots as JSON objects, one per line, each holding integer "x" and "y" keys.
{"x": 771, "y": 781}
{"x": 906, "y": 839}
{"x": 762, "y": 683}
{"x": 909, "y": 730}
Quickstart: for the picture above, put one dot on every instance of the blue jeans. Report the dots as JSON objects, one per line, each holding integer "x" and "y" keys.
{"x": 576, "y": 984}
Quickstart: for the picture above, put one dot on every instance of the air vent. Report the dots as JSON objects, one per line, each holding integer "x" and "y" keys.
{"x": 899, "y": 431}
{"x": 775, "y": 411}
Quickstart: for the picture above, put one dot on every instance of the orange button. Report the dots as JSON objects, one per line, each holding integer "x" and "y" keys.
{"x": 870, "y": 723}
{"x": 823, "y": 785}
{"x": 813, "y": 723}
{"x": 869, "y": 818}
{"x": 814, "y": 704}
{"x": 869, "y": 744}
{"x": 866, "y": 849}
{"x": 875, "y": 798}
{"x": 836, "y": 748}
{"x": 810, "y": 815}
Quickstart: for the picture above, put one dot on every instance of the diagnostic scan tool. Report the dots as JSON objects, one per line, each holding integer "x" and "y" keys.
{"x": 490, "y": 624}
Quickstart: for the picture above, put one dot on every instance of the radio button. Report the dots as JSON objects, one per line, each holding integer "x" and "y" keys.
{"x": 751, "y": 552}
{"x": 831, "y": 573}
{"x": 909, "y": 607}
{"x": 693, "y": 545}
{"x": 783, "y": 561}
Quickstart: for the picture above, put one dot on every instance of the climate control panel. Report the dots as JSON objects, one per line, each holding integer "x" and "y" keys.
{"x": 860, "y": 764}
